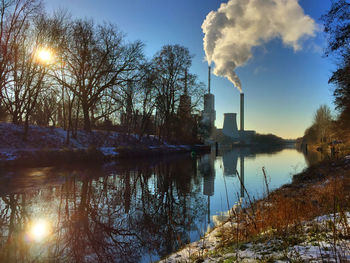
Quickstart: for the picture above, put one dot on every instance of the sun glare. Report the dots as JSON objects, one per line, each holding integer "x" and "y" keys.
{"x": 44, "y": 55}
{"x": 39, "y": 230}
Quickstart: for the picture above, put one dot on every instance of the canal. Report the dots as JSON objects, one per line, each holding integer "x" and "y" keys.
{"x": 130, "y": 211}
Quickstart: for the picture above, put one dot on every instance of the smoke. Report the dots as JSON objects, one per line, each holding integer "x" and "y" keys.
{"x": 236, "y": 27}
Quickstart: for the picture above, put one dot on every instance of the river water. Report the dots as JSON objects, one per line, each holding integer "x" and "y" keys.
{"x": 130, "y": 211}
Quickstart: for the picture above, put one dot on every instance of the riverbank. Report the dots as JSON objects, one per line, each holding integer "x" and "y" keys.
{"x": 305, "y": 221}
{"x": 49, "y": 146}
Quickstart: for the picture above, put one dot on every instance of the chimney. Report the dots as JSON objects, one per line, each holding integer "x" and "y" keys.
{"x": 209, "y": 72}
{"x": 242, "y": 112}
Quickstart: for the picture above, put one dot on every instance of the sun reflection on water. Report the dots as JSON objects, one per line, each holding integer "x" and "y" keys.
{"x": 38, "y": 230}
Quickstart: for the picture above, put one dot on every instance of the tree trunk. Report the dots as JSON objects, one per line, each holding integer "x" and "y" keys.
{"x": 70, "y": 122}
{"x": 26, "y": 127}
{"x": 15, "y": 119}
{"x": 87, "y": 124}
{"x": 63, "y": 110}
{"x": 76, "y": 120}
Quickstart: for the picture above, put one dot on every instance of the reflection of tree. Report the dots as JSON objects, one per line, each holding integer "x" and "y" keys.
{"x": 177, "y": 204}
{"x": 313, "y": 157}
{"x": 13, "y": 218}
{"x": 94, "y": 227}
{"x": 117, "y": 218}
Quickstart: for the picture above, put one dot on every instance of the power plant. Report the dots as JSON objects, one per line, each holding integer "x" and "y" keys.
{"x": 230, "y": 128}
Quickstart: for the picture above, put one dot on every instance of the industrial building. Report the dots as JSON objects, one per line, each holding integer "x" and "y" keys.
{"x": 230, "y": 128}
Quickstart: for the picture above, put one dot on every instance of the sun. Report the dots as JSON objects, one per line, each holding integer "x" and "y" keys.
{"x": 39, "y": 230}
{"x": 44, "y": 55}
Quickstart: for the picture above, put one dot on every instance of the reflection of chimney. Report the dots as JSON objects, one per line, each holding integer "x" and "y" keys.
{"x": 209, "y": 72}
{"x": 242, "y": 175}
{"x": 242, "y": 112}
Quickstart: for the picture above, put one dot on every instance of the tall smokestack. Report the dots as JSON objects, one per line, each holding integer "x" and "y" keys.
{"x": 242, "y": 112}
{"x": 209, "y": 72}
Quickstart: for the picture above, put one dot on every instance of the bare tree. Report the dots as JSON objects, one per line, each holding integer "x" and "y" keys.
{"x": 96, "y": 59}
{"x": 138, "y": 101}
{"x": 14, "y": 17}
{"x": 322, "y": 122}
{"x": 146, "y": 100}
{"x": 46, "y": 109}
{"x": 171, "y": 64}
{"x": 26, "y": 78}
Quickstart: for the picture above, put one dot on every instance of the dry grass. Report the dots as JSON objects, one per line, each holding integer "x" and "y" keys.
{"x": 323, "y": 189}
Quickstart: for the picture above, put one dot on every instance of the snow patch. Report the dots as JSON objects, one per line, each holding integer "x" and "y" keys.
{"x": 253, "y": 252}
{"x": 109, "y": 151}
{"x": 8, "y": 156}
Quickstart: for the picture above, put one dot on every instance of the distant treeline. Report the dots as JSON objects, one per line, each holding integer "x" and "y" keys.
{"x": 264, "y": 140}
{"x": 268, "y": 139}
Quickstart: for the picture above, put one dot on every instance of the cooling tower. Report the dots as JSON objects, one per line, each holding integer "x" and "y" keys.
{"x": 230, "y": 125}
{"x": 242, "y": 112}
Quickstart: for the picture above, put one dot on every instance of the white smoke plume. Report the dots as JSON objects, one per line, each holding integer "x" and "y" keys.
{"x": 236, "y": 27}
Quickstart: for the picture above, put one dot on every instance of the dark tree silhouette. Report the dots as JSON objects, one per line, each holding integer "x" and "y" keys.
{"x": 26, "y": 77}
{"x": 171, "y": 64}
{"x": 96, "y": 59}
{"x": 14, "y": 18}
{"x": 337, "y": 28}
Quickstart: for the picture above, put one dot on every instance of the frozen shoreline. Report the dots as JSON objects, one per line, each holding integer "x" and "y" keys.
{"x": 49, "y": 146}
{"x": 308, "y": 251}
{"x": 318, "y": 236}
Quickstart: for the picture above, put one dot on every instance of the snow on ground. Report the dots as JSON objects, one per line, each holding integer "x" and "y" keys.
{"x": 317, "y": 245}
{"x": 11, "y": 137}
{"x": 8, "y": 155}
{"x": 39, "y": 138}
{"x": 207, "y": 243}
{"x": 109, "y": 151}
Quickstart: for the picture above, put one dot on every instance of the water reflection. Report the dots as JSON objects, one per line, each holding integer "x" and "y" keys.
{"x": 241, "y": 178}
{"x": 239, "y": 173}
{"x": 230, "y": 160}
{"x": 116, "y": 212}
{"x": 314, "y": 157}
{"x": 114, "y": 217}
{"x": 38, "y": 230}
{"x": 207, "y": 170}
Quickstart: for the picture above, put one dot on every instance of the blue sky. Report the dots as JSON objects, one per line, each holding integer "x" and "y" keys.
{"x": 282, "y": 88}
